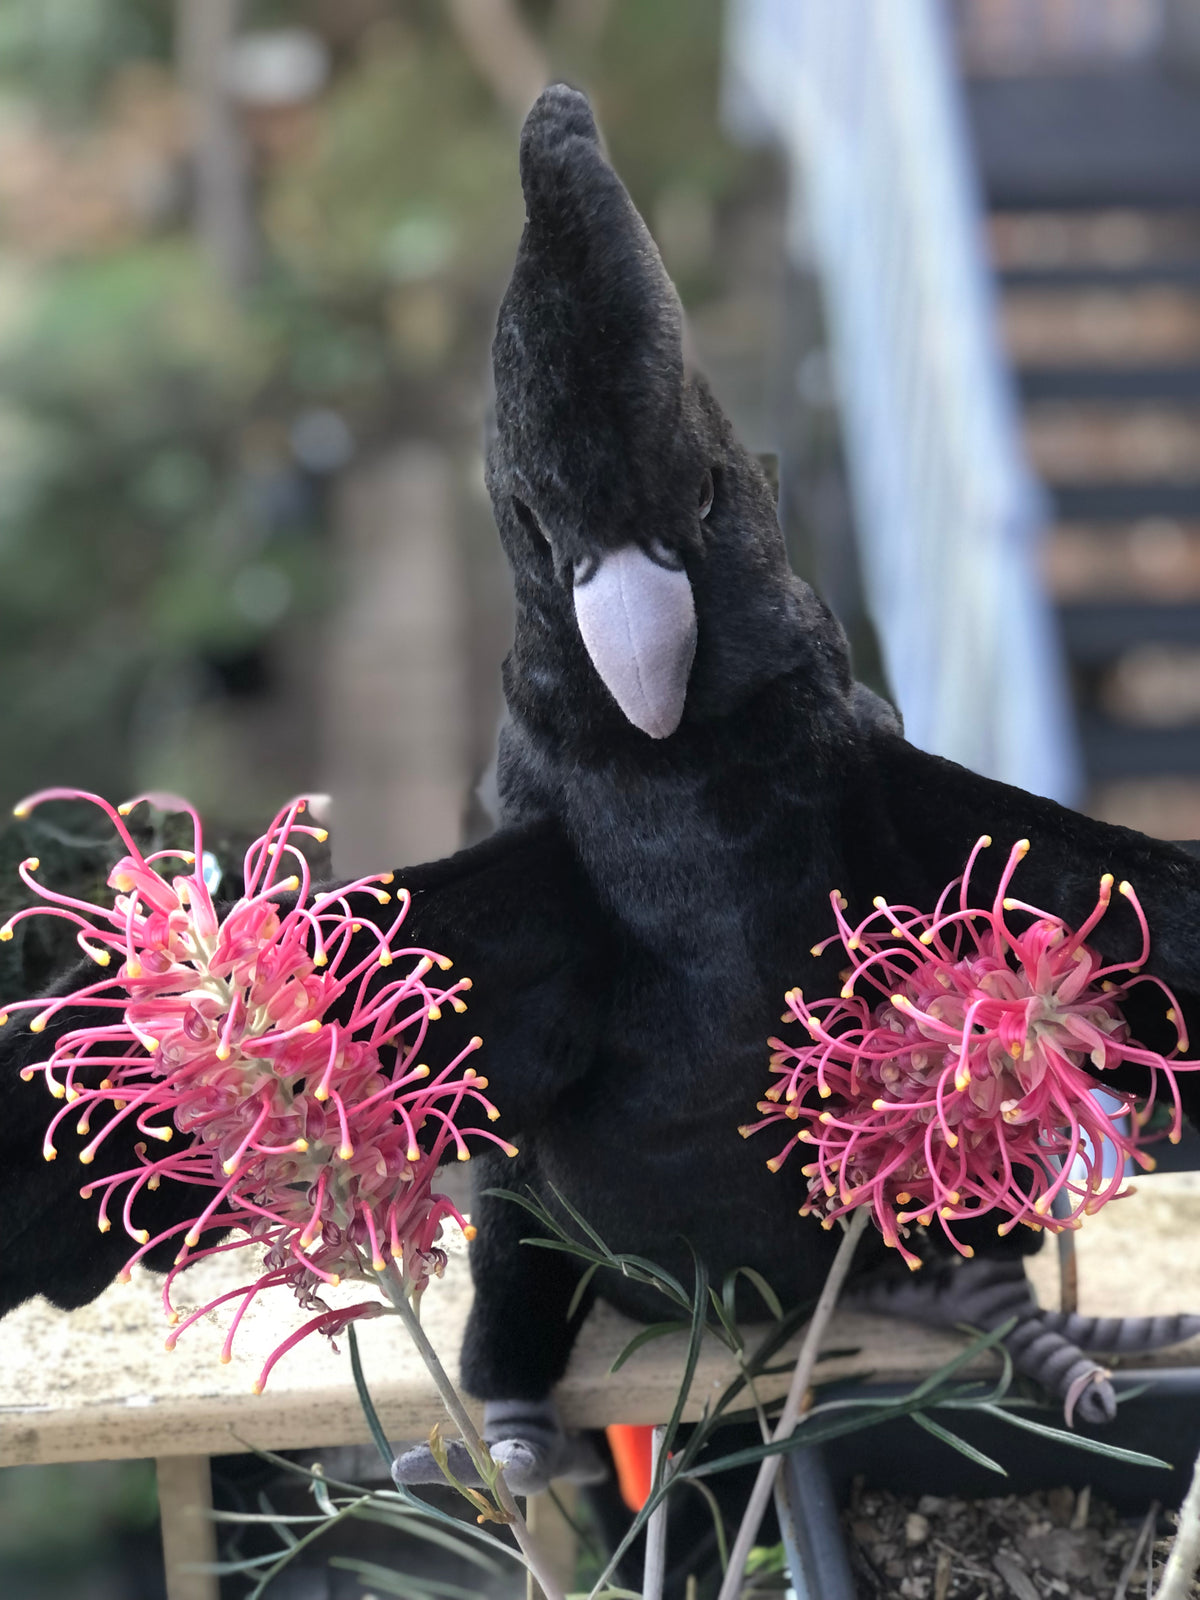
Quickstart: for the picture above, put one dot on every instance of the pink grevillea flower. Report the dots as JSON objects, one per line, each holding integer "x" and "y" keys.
{"x": 948, "y": 1077}
{"x": 277, "y": 1039}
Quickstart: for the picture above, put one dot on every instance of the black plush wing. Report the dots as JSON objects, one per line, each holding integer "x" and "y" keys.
{"x": 513, "y": 913}
{"x": 916, "y": 817}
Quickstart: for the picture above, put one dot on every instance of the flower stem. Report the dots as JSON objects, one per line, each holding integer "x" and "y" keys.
{"x": 801, "y": 1378}
{"x": 476, "y": 1449}
{"x": 1184, "y": 1559}
{"x": 655, "y": 1570}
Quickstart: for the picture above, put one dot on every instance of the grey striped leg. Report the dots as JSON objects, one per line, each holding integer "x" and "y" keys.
{"x": 1047, "y": 1345}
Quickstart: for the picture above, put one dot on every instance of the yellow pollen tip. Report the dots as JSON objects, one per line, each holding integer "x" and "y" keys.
{"x": 320, "y": 835}
{"x": 879, "y": 902}
{"x": 356, "y": 927}
{"x": 385, "y": 958}
{"x": 191, "y": 1239}
{"x": 470, "y": 1231}
{"x": 142, "y": 1236}
{"x": 49, "y": 1153}
{"x": 320, "y": 1092}
{"x": 1106, "y": 882}
{"x": 843, "y": 902}
{"x": 256, "y": 1387}
{"x": 434, "y": 1013}
{"x": 313, "y": 1026}
{"x": 382, "y": 896}
{"x": 1022, "y": 847}
{"x": 985, "y": 841}
{"x": 345, "y": 1152}
{"x": 815, "y": 951}
{"x": 300, "y": 1146}
{"x": 224, "y": 1359}
{"x": 968, "y": 1250}
{"x": 847, "y": 991}
{"x": 1008, "y": 904}
{"x": 38, "y": 1025}
{"x": 444, "y": 963}
{"x": 952, "y": 1140}
{"x": 824, "y": 1090}
{"x": 222, "y": 1052}
{"x": 825, "y": 1117}
{"x": 1125, "y": 887}
{"x": 1174, "y": 1136}
{"x": 21, "y": 811}
{"x": 6, "y": 932}
{"x": 899, "y": 1001}
{"x": 854, "y": 944}
{"x": 290, "y": 883}
{"x": 378, "y": 1264}
{"x": 464, "y": 1154}
{"x": 421, "y": 1071}
{"x": 879, "y": 1105}
{"x": 903, "y": 1198}
{"x": 926, "y": 937}
{"x": 32, "y": 863}
{"x": 493, "y": 1113}
{"x": 229, "y": 1167}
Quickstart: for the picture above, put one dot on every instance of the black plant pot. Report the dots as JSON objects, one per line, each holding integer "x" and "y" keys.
{"x": 1163, "y": 1421}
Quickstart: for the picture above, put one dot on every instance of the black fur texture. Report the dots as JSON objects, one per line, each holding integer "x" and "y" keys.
{"x": 632, "y": 927}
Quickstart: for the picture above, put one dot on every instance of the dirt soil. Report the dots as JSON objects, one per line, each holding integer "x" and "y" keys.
{"x": 1017, "y": 1547}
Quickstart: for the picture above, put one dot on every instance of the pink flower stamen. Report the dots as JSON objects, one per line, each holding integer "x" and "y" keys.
{"x": 953, "y": 1074}
{"x": 316, "y": 1140}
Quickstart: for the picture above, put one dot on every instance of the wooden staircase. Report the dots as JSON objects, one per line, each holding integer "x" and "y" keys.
{"x": 1094, "y": 222}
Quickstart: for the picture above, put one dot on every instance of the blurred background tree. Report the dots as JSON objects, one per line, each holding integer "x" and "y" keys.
{"x": 245, "y": 251}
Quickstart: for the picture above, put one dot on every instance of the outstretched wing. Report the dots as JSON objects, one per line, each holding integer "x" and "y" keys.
{"x": 513, "y": 913}
{"x": 919, "y": 816}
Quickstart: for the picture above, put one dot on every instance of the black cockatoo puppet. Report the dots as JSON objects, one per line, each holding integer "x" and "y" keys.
{"x": 686, "y": 772}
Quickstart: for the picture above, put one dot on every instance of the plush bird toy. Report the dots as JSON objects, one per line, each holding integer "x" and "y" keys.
{"x": 686, "y": 772}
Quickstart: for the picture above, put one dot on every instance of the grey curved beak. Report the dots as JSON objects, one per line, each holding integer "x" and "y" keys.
{"x": 638, "y": 624}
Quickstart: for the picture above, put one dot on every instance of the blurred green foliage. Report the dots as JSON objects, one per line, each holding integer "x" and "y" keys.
{"x": 159, "y": 529}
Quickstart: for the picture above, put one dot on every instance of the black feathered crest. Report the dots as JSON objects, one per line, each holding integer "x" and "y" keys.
{"x": 590, "y": 381}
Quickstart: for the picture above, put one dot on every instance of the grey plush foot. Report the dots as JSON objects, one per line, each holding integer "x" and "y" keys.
{"x": 528, "y": 1442}
{"x": 1043, "y": 1345}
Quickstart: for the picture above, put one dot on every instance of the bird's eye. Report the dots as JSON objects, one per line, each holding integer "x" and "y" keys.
{"x": 707, "y": 491}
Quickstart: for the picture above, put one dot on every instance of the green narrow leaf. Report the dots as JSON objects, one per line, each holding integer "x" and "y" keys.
{"x": 733, "y": 1334}
{"x": 656, "y": 1330}
{"x": 695, "y": 1339}
{"x": 955, "y": 1443}
{"x": 581, "y": 1289}
{"x": 580, "y": 1222}
{"x": 717, "y": 1519}
{"x": 1080, "y": 1441}
{"x": 768, "y": 1296}
{"x": 393, "y": 1582}
{"x": 365, "y": 1401}
{"x": 977, "y": 1346}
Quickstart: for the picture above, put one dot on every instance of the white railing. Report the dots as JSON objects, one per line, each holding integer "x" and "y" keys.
{"x": 863, "y": 98}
